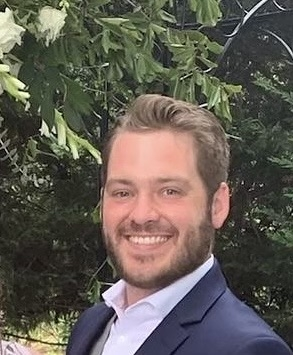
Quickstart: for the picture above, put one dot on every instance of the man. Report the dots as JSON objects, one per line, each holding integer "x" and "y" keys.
{"x": 164, "y": 194}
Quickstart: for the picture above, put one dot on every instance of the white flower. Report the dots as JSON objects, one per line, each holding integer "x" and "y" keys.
{"x": 73, "y": 147}
{"x": 10, "y": 32}
{"x": 9, "y": 81}
{"x": 14, "y": 66}
{"x": 4, "y": 68}
{"x": 51, "y": 21}
{"x": 12, "y": 85}
{"x": 44, "y": 130}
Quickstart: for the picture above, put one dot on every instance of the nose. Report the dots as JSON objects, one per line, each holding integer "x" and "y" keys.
{"x": 144, "y": 210}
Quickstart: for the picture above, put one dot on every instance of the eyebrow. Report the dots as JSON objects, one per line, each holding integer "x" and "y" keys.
{"x": 159, "y": 180}
{"x": 118, "y": 181}
{"x": 175, "y": 178}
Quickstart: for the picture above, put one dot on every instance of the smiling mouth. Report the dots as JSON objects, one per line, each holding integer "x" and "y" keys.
{"x": 148, "y": 239}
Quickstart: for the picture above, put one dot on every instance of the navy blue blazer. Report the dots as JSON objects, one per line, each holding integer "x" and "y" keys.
{"x": 209, "y": 320}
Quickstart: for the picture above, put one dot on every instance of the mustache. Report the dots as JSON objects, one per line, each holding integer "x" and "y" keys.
{"x": 147, "y": 227}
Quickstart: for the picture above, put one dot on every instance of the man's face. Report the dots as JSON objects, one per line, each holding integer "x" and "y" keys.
{"x": 156, "y": 220}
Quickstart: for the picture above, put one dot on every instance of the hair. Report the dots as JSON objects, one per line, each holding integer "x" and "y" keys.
{"x": 153, "y": 112}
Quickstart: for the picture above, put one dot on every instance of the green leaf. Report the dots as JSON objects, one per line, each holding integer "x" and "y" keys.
{"x": 222, "y": 107}
{"x": 206, "y": 86}
{"x": 207, "y": 11}
{"x": 214, "y": 97}
{"x": 158, "y": 4}
{"x": 101, "y": 2}
{"x": 114, "y": 72}
{"x": 191, "y": 91}
{"x": 193, "y": 5}
{"x": 75, "y": 51}
{"x": 166, "y": 16}
{"x": 47, "y": 107}
{"x": 27, "y": 72}
{"x": 140, "y": 68}
{"x": 54, "y": 79}
{"x": 156, "y": 28}
{"x": 34, "y": 89}
{"x": 77, "y": 97}
{"x": 2, "y": 134}
{"x": 182, "y": 53}
{"x": 214, "y": 47}
{"x": 152, "y": 66}
{"x": 72, "y": 117}
{"x": 59, "y": 51}
{"x": 198, "y": 78}
{"x": 131, "y": 32}
{"x": 207, "y": 62}
{"x": 283, "y": 162}
{"x": 194, "y": 36}
{"x": 5, "y": 144}
{"x": 32, "y": 147}
{"x": 116, "y": 21}
{"x": 106, "y": 40}
{"x": 233, "y": 89}
{"x": 92, "y": 56}
{"x": 94, "y": 292}
{"x": 96, "y": 214}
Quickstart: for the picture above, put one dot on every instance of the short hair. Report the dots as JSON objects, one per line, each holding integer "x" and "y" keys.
{"x": 153, "y": 112}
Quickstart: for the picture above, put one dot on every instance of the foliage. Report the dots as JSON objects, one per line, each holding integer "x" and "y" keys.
{"x": 108, "y": 53}
{"x": 48, "y": 241}
{"x": 257, "y": 243}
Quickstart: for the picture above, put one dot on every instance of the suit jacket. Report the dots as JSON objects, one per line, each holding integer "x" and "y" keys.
{"x": 209, "y": 320}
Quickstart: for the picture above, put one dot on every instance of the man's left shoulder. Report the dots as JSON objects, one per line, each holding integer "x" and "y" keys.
{"x": 243, "y": 326}
{"x": 272, "y": 345}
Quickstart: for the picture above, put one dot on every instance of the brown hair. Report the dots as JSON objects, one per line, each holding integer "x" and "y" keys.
{"x": 153, "y": 112}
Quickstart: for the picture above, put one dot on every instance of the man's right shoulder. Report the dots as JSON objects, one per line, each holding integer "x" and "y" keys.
{"x": 88, "y": 327}
{"x": 97, "y": 308}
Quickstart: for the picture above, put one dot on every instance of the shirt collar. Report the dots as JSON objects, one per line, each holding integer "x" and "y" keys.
{"x": 164, "y": 300}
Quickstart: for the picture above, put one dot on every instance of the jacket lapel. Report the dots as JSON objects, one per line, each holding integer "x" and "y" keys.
{"x": 165, "y": 338}
{"x": 173, "y": 330}
{"x": 89, "y": 328}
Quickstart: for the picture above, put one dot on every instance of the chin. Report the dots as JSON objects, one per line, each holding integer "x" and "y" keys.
{"x": 148, "y": 281}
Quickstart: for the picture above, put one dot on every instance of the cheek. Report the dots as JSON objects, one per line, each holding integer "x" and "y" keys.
{"x": 113, "y": 214}
{"x": 182, "y": 216}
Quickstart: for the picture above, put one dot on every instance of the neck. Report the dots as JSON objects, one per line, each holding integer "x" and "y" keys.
{"x": 134, "y": 294}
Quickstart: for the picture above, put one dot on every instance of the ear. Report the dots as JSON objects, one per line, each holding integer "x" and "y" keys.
{"x": 220, "y": 206}
{"x": 101, "y": 204}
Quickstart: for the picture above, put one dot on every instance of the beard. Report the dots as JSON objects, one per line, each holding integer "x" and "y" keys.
{"x": 194, "y": 250}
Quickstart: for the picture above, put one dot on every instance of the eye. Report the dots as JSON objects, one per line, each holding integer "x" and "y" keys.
{"x": 171, "y": 192}
{"x": 120, "y": 194}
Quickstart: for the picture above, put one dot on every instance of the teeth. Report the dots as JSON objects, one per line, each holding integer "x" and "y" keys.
{"x": 148, "y": 240}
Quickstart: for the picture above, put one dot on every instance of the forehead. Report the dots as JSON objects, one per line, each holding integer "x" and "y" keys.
{"x": 152, "y": 152}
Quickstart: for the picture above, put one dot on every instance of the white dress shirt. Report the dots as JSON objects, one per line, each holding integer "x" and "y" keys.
{"x": 135, "y": 323}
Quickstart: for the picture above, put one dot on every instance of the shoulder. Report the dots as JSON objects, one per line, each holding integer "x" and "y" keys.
{"x": 234, "y": 326}
{"x": 94, "y": 310}
{"x": 272, "y": 345}
{"x": 88, "y": 327}
{"x": 90, "y": 315}
{"x": 225, "y": 324}
{"x": 231, "y": 314}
